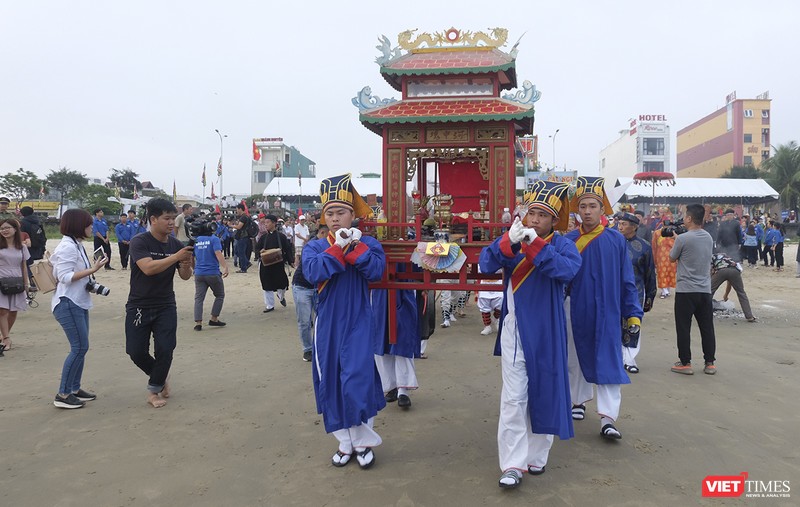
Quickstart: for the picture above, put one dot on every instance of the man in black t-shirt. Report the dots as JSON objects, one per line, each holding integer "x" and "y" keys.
{"x": 151, "y": 307}
{"x": 242, "y": 238}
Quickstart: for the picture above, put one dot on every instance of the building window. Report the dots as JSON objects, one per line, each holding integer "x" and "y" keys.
{"x": 765, "y": 113}
{"x": 748, "y": 138}
{"x": 765, "y": 137}
{"x": 654, "y": 146}
{"x": 286, "y": 159}
{"x": 261, "y": 176}
{"x": 650, "y": 166}
{"x": 603, "y": 164}
{"x": 764, "y": 155}
{"x": 748, "y": 160}
{"x": 748, "y": 113}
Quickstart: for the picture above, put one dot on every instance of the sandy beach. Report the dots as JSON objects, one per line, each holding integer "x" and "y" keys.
{"x": 241, "y": 427}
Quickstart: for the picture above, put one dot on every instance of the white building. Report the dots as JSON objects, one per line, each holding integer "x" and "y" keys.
{"x": 644, "y": 147}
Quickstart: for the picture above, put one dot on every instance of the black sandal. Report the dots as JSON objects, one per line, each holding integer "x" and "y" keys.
{"x": 343, "y": 459}
{"x": 610, "y": 432}
{"x": 362, "y": 456}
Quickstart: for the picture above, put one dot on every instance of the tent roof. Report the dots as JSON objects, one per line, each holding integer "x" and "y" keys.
{"x": 702, "y": 190}
{"x": 289, "y": 186}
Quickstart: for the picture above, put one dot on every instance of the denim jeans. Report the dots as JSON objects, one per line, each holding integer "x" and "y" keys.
{"x": 74, "y": 320}
{"x": 240, "y": 248}
{"x": 305, "y": 302}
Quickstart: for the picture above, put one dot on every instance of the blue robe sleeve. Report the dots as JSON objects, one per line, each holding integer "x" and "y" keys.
{"x": 560, "y": 262}
{"x": 650, "y": 287}
{"x": 500, "y": 254}
{"x": 369, "y": 261}
{"x": 321, "y": 261}
{"x": 630, "y": 295}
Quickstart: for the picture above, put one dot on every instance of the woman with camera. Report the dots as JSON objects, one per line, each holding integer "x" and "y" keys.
{"x": 72, "y": 300}
{"x": 13, "y": 283}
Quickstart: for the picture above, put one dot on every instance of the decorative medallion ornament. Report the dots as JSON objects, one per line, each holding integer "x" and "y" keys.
{"x": 452, "y": 37}
{"x": 364, "y": 100}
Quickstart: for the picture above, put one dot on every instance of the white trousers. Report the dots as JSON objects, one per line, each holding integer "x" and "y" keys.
{"x": 517, "y": 447}
{"x": 396, "y": 372}
{"x": 629, "y": 353}
{"x": 486, "y": 305}
{"x": 357, "y": 437}
{"x": 609, "y": 396}
{"x": 269, "y": 297}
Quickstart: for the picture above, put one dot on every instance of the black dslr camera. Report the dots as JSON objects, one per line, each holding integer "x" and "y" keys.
{"x": 97, "y": 288}
{"x": 200, "y": 226}
{"x": 673, "y": 228}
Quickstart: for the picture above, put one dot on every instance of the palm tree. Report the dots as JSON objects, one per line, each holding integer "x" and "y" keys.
{"x": 783, "y": 173}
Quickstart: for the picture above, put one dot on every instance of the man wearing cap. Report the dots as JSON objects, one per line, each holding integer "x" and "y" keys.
{"x": 644, "y": 274}
{"x": 606, "y": 277}
{"x": 346, "y": 381}
{"x": 100, "y": 233}
{"x": 537, "y": 265}
{"x": 4, "y": 213}
{"x": 301, "y": 237}
{"x": 273, "y": 277}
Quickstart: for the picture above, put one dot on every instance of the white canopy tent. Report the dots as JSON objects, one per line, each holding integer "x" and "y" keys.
{"x": 701, "y": 190}
{"x": 310, "y": 187}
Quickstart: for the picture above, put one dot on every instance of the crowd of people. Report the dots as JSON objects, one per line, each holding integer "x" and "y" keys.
{"x": 568, "y": 312}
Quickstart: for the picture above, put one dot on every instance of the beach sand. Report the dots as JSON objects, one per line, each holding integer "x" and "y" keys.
{"x": 241, "y": 427}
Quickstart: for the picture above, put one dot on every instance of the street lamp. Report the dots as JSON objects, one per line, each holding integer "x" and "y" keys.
{"x": 219, "y": 166}
{"x": 554, "y": 147}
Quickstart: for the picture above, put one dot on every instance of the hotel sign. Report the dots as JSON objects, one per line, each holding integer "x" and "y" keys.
{"x": 647, "y": 118}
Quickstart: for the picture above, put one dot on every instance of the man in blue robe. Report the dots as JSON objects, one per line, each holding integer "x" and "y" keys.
{"x": 395, "y": 361}
{"x": 537, "y": 264}
{"x": 346, "y": 382}
{"x": 602, "y": 294}
{"x": 644, "y": 275}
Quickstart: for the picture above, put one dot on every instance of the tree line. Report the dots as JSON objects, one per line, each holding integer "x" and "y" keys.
{"x": 781, "y": 171}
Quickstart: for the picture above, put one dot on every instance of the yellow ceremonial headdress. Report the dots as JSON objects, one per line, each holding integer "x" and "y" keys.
{"x": 551, "y": 197}
{"x": 591, "y": 186}
{"x": 339, "y": 191}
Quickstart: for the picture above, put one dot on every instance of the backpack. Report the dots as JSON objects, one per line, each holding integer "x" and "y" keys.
{"x": 252, "y": 228}
{"x": 36, "y": 232}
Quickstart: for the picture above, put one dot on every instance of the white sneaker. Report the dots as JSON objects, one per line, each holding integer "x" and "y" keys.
{"x": 446, "y": 323}
{"x": 487, "y": 330}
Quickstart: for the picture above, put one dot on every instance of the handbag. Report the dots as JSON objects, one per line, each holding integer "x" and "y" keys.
{"x": 271, "y": 256}
{"x": 12, "y": 285}
{"x": 42, "y": 271}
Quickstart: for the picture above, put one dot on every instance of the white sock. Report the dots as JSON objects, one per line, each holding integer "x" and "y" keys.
{"x": 605, "y": 420}
{"x": 402, "y": 390}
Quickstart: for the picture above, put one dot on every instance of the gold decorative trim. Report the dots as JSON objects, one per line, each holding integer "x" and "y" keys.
{"x": 454, "y": 38}
{"x": 490, "y": 134}
{"x": 413, "y": 155}
{"x": 448, "y": 135}
{"x": 403, "y": 136}
{"x": 392, "y": 202}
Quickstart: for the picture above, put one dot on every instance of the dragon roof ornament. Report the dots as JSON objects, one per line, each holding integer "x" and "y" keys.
{"x": 452, "y": 38}
{"x": 527, "y": 95}
{"x": 365, "y": 101}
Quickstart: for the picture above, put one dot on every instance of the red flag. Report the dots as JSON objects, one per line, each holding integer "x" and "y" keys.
{"x": 299, "y": 211}
{"x": 217, "y": 209}
{"x": 247, "y": 211}
{"x": 212, "y": 191}
{"x": 203, "y": 179}
{"x": 256, "y": 152}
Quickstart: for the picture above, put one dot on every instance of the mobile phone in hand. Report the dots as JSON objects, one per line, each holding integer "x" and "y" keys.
{"x": 99, "y": 254}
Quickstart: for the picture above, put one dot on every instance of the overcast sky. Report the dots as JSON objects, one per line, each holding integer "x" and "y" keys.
{"x": 93, "y": 85}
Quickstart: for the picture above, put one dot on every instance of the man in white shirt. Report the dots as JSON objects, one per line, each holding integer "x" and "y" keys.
{"x": 301, "y": 237}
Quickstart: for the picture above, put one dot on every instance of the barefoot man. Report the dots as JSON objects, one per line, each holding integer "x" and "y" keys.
{"x": 151, "y": 308}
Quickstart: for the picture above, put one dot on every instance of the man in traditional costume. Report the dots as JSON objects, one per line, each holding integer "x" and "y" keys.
{"x": 395, "y": 361}
{"x": 602, "y": 294}
{"x": 644, "y": 275}
{"x": 537, "y": 264}
{"x": 346, "y": 381}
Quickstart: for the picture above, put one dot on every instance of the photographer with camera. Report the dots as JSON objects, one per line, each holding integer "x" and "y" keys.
{"x": 692, "y": 251}
{"x": 182, "y": 224}
{"x": 209, "y": 270}
{"x": 151, "y": 308}
{"x": 72, "y": 301}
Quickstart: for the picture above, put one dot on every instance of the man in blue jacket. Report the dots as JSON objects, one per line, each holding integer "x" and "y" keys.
{"x": 124, "y": 231}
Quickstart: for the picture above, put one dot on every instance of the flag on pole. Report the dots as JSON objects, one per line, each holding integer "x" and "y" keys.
{"x": 116, "y": 192}
{"x": 41, "y": 192}
{"x": 212, "y": 192}
{"x": 300, "y": 178}
{"x": 256, "y": 152}
{"x": 219, "y": 167}
{"x": 203, "y": 180}
{"x": 247, "y": 211}
{"x": 135, "y": 192}
{"x": 217, "y": 209}
{"x": 174, "y": 192}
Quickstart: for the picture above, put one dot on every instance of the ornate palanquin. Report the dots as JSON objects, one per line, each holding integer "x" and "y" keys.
{"x": 453, "y": 122}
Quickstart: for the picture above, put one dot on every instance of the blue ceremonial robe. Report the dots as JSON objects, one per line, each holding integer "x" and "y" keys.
{"x": 644, "y": 268}
{"x": 601, "y": 295}
{"x": 408, "y": 338}
{"x": 538, "y": 274}
{"x": 346, "y": 382}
